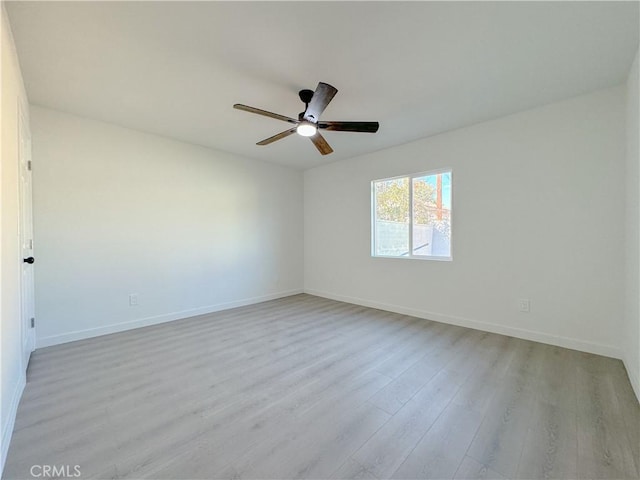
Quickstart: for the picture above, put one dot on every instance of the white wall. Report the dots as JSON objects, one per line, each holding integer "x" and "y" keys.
{"x": 12, "y": 371}
{"x": 188, "y": 229}
{"x": 538, "y": 213}
{"x": 631, "y": 342}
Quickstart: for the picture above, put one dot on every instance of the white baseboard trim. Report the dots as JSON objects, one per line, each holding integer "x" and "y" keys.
{"x": 632, "y": 373}
{"x": 145, "y": 322}
{"x": 7, "y": 430}
{"x": 571, "y": 343}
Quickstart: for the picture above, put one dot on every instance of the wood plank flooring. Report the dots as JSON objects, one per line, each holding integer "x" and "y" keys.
{"x": 305, "y": 387}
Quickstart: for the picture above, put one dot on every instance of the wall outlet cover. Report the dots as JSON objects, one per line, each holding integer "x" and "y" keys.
{"x": 524, "y": 305}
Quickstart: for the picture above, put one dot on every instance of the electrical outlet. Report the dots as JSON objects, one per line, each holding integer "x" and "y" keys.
{"x": 524, "y": 305}
{"x": 133, "y": 299}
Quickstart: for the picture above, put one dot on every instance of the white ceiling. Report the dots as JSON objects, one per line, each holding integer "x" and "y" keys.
{"x": 419, "y": 68}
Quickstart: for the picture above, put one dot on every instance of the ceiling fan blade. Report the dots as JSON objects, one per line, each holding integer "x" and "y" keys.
{"x": 246, "y": 108}
{"x": 321, "y": 98}
{"x": 278, "y": 136}
{"x": 366, "y": 127}
{"x": 321, "y": 144}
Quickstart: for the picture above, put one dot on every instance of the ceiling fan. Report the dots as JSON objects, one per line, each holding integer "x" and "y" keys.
{"x": 308, "y": 123}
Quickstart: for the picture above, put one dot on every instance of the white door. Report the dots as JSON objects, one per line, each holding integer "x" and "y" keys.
{"x": 26, "y": 239}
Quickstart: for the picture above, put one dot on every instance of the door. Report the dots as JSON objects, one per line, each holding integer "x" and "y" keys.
{"x": 26, "y": 238}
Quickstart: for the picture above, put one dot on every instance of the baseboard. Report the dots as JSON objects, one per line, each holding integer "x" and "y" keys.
{"x": 7, "y": 430}
{"x": 632, "y": 373}
{"x": 145, "y": 322}
{"x": 572, "y": 343}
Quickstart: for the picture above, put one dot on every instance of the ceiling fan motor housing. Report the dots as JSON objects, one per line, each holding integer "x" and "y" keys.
{"x": 306, "y": 96}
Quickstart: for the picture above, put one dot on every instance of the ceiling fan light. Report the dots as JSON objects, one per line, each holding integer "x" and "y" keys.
{"x": 306, "y": 129}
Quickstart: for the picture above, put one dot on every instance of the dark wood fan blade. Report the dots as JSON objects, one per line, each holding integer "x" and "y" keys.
{"x": 280, "y": 135}
{"x": 321, "y": 144}
{"x": 246, "y": 108}
{"x": 321, "y": 98}
{"x": 366, "y": 127}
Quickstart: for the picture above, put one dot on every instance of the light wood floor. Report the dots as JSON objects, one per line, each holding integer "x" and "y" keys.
{"x": 305, "y": 387}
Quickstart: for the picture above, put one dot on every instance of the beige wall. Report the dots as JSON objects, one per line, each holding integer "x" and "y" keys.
{"x": 188, "y": 229}
{"x": 12, "y": 370}
{"x": 538, "y": 213}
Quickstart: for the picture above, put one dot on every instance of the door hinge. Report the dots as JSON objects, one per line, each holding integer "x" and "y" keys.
{"x": 33, "y": 322}
{"x": 29, "y": 165}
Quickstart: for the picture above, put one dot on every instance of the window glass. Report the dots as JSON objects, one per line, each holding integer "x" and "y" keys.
{"x": 392, "y": 217}
{"x": 412, "y": 216}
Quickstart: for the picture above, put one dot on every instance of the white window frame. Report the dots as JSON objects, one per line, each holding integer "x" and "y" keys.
{"x": 410, "y": 255}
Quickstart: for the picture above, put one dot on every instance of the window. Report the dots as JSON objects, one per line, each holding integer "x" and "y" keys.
{"x": 412, "y": 216}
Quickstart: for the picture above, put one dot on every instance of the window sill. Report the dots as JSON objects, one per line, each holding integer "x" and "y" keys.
{"x": 416, "y": 257}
